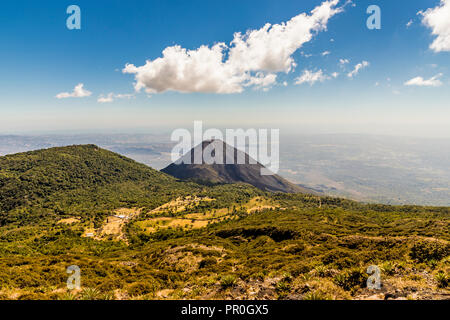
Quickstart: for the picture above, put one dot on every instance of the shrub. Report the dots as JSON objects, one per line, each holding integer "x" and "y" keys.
{"x": 442, "y": 279}
{"x": 68, "y": 296}
{"x": 209, "y": 261}
{"x": 286, "y": 277}
{"x": 32, "y": 296}
{"x": 351, "y": 279}
{"x": 321, "y": 271}
{"x": 142, "y": 288}
{"x": 340, "y": 258}
{"x": 91, "y": 294}
{"x": 425, "y": 251}
{"x": 283, "y": 287}
{"x": 316, "y": 295}
{"x": 296, "y": 248}
{"x": 258, "y": 276}
{"x": 432, "y": 263}
{"x": 299, "y": 268}
{"x": 227, "y": 281}
{"x": 388, "y": 268}
{"x": 110, "y": 285}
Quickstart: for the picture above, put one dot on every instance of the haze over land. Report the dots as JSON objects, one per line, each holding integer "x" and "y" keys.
{"x": 384, "y": 169}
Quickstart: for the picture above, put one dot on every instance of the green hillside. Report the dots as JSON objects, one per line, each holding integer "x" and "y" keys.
{"x": 77, "y": 180}
{"x": 137, "y": 233}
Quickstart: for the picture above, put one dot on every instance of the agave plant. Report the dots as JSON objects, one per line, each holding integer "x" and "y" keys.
{"x": 91, "y": 294}
{"x": 442, "y": 279}
{"x": 69, "y": 296}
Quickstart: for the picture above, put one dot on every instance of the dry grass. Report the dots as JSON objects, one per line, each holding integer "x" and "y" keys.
{"x": 113, "y": 228}
{"x": 68, "y": 221}
{"x": 199, "y": 219}
{"x": 180, "y": 204}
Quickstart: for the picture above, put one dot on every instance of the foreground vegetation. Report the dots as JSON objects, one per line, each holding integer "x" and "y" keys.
{"x": 136, "y": 233}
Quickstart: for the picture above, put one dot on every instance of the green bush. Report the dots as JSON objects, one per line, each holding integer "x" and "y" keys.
{"x": 91, "y": 294}
{"x": 227, "y": 281}
{"x": 142, "y": 288}
{"x": 342, "y": 259}
{"x": 388, "y": 268}
{"x": 321, "y": 271}
{"x": 425, "y": 251}
{"x": 207, "y": 262}
{"x": 351, "y": 279}
{"x": 442, "y": 279}
{"x": 316, "y": 295}
{"x": 283, "y": 287}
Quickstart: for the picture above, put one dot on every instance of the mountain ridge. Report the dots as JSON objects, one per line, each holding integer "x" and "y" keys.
{"x": 229, "y": 170}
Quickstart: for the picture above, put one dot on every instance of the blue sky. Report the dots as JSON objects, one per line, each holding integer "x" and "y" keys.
{"x": 40, "y": 58}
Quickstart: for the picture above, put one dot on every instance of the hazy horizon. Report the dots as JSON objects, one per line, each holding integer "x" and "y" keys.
{"x": 371, "y": 168}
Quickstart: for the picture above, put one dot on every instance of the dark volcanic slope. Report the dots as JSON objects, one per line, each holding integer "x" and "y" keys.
{"x": 229, "y": 173}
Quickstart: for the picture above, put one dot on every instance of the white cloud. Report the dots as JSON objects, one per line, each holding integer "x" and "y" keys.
{"x": 409, "y": 24}
{"x": 251, "y": 59}
{"x": 419, "y": 81}
{"x": 107, "y": 99}
{"x": 350, "y": 2}
{"x": 357, "y": 68}
{"x": 325, "y": 53}
{"x": 438, "y": 19}
{"x": 78, "y": 92}
{"x": 343, "y": 61}
{"x": 262, "y": 81}
{"x": 124, "y": 96}
{"x": 110, "y": 97}
{"x": 311, "y": 77}
{"x": 335, "y": 74}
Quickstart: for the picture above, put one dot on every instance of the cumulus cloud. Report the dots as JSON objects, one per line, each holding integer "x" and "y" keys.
{"x": 325, "y": 53}
{"x": 419, "y": 81}
{"x": 110, "y": 97}
{"x": 438, "y": 20}
{"x": 78, "y": 92}
{"x": 262, "y": 81}
{"x": 251, "y": 59}
{"x": 343, "y": 61}
{"x": 106, "y": 99}
{"x": 311, "y": 77}
{"x": 357, "y": 68}
{"x": 409, "y": 23}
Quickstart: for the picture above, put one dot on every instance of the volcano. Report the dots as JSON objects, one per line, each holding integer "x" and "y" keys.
{"x": 229, "y": 170}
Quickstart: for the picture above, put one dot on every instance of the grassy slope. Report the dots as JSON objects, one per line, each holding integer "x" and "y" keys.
{"x": 78, "y": 180}
{"x": 314, "y": 248}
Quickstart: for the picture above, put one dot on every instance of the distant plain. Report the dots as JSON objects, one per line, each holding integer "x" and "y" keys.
{"x": 369, "y": 168}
